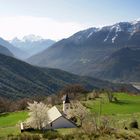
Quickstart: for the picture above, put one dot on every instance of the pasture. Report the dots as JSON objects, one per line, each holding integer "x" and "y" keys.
{"x": 120, "y": 113}
{"x": 9, "y": 123}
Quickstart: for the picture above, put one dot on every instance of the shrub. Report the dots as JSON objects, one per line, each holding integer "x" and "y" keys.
{"x": 51, "y": 135}
{"x": 24, "y": 136}
{"x": 134, "y": 124}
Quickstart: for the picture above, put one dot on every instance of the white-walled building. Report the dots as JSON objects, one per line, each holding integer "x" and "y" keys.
{"x": 58, "y": 120}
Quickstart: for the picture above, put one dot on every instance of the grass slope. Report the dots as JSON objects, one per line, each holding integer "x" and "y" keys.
{"x": 120, "y": 114}
{"x": 9, "y": 123}
{"x": 127, "y": 104}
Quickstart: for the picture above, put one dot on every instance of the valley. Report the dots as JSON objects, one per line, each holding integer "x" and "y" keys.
{"x": 70, "y": 70}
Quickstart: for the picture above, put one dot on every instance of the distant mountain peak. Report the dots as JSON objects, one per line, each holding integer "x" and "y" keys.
{"x": 136, "y": 21}
{"x": 15, "y": 39}
{"x": 32, "y": 38}
{"x": 32, "y": 44}
{"x": 28, "y": 38}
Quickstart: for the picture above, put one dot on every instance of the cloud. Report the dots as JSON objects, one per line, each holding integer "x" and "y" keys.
{"x": 20, "y": 26}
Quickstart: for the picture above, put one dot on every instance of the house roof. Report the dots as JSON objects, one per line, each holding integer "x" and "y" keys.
{"x": 66, "y": 98}
{"x": 53, "y": 114}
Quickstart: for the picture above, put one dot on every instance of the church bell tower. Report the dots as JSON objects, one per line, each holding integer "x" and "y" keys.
{"x": 66, "y": 104}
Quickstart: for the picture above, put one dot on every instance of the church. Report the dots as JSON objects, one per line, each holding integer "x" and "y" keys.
{"x": 59, "y": 119}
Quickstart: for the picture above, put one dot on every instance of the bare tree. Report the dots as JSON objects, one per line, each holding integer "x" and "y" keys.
{"x": 38, "y": 115}
{"x": 77, "y": 110}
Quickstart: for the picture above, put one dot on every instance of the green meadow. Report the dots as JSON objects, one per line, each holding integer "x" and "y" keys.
{"x": 9, "y": 123}
{"x": 127, "y": 104}
{"x": 123, "y": 112}
{"x": 120, "y": 113}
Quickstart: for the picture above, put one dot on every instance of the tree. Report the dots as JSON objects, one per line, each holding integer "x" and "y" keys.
{"x": 77, "y": 110}
{"x": 38, "y": 115}
{"x": 74, "y": 91}
{"x": 5, "y": 105}
{"x": 110, "y": 96}
{"x": 94, "y": 94}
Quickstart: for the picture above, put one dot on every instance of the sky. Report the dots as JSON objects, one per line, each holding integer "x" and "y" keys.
{"x": 57, "y": 19}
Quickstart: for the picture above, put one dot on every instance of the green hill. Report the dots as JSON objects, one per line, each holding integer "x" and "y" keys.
{"x": 19, "y": 79}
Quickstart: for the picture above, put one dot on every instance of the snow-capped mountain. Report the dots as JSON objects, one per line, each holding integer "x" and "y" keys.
{"x": 14, "y": 50}
{"x": 86, "y": 51}
{"x": 110, "y": 34}
{"x": 32, "y": 38}
{"x": 32, "y": 44}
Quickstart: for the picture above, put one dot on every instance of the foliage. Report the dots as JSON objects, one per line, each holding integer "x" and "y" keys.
{"x": 77, "y": 110}
{"x": 115, "y": 117}
{"x": 51, "y": 135}
{"x": 38, "y": 115}
{"x": 21, "y": 80}
{"x": 73, "y": 90}
{"x": 7, "y": 105}
{"x": 24, "y": 136}
{"x": 93, "y": 95}
{"x": 134, "y": 124}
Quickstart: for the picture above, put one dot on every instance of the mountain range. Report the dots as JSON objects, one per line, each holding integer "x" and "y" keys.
{"x": 18, "y": 53}
{"x": 122, "y": 65}
{"x": 111, "y": 52}
{"x": 32, "y": 44}
{"x": 19, "y": 79}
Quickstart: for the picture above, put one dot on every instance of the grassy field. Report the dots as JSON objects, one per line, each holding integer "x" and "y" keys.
{"x": 9, "y": 123}
{"x": 127, "y": 104}
{"x": 123, "y": 112}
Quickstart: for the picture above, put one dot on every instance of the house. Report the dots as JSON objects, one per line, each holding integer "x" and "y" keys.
{"x": 58, "y": 120}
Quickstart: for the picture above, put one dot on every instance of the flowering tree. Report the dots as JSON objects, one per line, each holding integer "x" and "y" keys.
{"x": 38, "y": 115}
{"x": 77, "y": 110}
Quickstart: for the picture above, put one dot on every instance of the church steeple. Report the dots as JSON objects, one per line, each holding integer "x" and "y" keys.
{"x": 66, "y": 103}
{"x": 66, "y": 99}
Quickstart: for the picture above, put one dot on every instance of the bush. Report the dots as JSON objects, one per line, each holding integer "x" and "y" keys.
{"x": 68, "y": 137}
{"x": 51, "y": 135}
{"x": 24, "y": 136}
{"x": 134, "y": 124}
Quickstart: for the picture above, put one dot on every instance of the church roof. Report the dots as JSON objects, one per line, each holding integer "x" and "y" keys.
{"x": 53, "y": 114}
{"x": 66, "y": 98}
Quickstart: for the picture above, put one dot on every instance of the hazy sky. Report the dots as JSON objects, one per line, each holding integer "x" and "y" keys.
{"x": 56, "y": 19}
